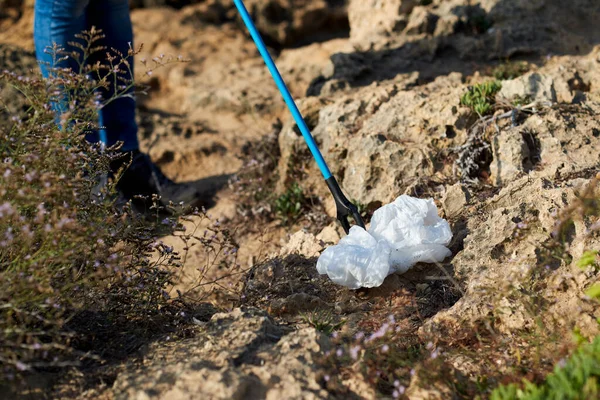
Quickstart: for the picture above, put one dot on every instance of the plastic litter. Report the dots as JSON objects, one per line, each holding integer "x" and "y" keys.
{"x": 401, "y": 234}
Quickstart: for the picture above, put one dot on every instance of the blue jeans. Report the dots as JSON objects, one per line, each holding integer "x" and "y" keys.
{"x": 58, "y": 21}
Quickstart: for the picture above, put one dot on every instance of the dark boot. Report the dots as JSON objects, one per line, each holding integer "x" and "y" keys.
{"x": 144, "y": 179}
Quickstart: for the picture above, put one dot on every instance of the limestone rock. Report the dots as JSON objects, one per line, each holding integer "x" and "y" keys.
{"x": 529, "y": 87}
{"x": 494, "y": 265}
{"x": 375, "y": 139}
{"x": 331, "y": 234}
{"x": 370, "y": 20}
{"x": 304, "y": 244}
{"x": 455, "y": 200}
{"x": 509, "y": 152}
{"x": 421, "y": 21}
{"x": 238, "y": 355}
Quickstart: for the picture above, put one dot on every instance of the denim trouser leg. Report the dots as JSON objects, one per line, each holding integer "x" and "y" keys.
{"x": 117, "y": 117}
{"x": 57, "y": 21}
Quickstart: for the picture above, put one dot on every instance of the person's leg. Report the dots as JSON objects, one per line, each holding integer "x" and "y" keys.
{"x": 141, "y": 177}
{"x": 118, "y": 117}
{"x": 57, "y": 23}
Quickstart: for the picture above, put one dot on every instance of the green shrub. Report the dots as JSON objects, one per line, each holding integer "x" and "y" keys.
{"x": 480, "y": 97}
{"x": 588, "y": 259}
{"x": 510, "y": 70}
{"x": 80, "y": 276}
{"x": 289, "y": 205}
{"x": 323, "y": 321}
{"x": 577, "y": 379}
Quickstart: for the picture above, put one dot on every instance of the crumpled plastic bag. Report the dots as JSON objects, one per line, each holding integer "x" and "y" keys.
{"x": 401, "y": 234}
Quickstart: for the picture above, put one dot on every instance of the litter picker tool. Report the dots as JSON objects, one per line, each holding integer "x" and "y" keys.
{"x": 345, "y": 208}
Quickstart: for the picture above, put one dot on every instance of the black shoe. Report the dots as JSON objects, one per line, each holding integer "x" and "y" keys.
{"x": 143, "y": 179}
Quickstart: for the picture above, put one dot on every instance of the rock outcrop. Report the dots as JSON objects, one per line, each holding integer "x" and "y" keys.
{"x": 242, "y": 354}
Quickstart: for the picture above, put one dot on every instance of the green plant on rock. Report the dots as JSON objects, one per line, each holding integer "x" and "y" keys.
{"x": 289, "y": 205}
{"x": 323, "y": 321}
{"x": 480, "y": 97}
{"x": 588, "y": 259}
{"x": 576, "y": 379}
{"x": 510, "y": 70}
{"x": 594, "y": 291}
{"x": 520, "y": 101}
{"x": 361, "y": 207}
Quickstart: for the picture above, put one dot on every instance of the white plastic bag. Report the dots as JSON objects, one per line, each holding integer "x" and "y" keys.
{"x": 401, "y": 234}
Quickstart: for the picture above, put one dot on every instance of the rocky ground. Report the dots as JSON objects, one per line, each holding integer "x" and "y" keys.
{"x": 380, "y": 83}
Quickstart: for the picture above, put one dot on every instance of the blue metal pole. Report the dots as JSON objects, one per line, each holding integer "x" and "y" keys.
{"x": 287, "y": 97}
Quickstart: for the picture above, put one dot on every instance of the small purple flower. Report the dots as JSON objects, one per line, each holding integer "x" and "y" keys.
{"x": 6, "y": 209}
{"x": 21, "y": 366}
{"x": 326, "y": 378}
{"x": 385, "y": 348}
{"x": 339, "y": 352}
{"x": 379, "y": 333}
{"x": 27, "y": 231}
{"x": 354, "y": 352}
{"x": 64, "y": 221}
{"x": 9, "y": 235}
{"x": 595, "y": 226}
